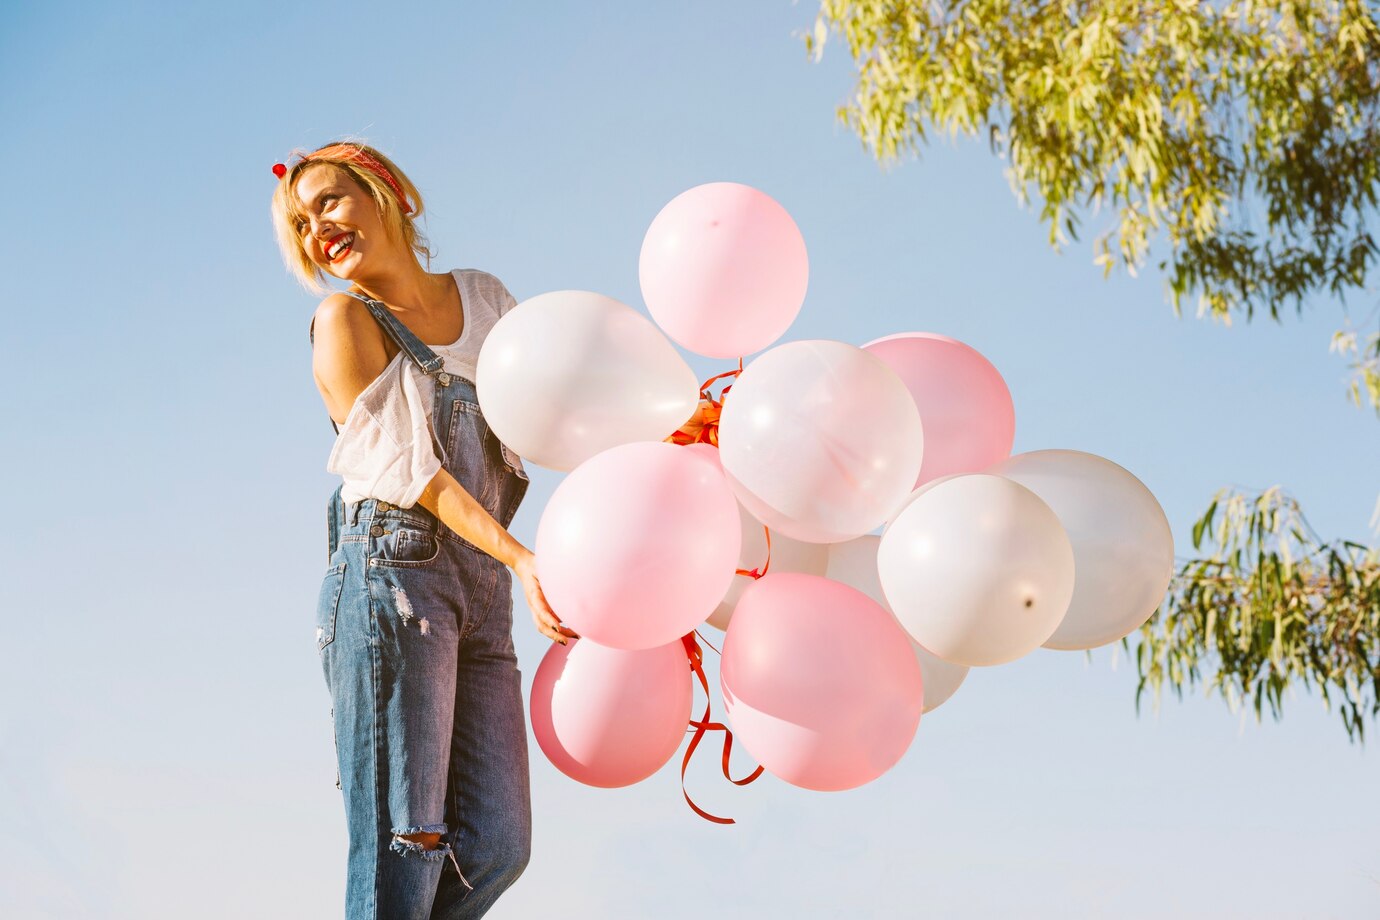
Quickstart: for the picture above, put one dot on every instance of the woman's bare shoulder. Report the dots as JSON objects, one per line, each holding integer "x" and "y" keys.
{"x": 340, "y": 314}
{"x": 348, "y": 351}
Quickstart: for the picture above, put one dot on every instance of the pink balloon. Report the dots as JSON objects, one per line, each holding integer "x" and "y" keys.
{"x": 610, "y": 717}
{"x": 708, "y": 451}
{"x": 965, "y": 406}
{"x": 638, "y": 544}
{"x": 819, "y": 682}
{"x": 723, "y": 269}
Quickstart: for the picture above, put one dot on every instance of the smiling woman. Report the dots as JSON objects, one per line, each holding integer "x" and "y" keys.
{"x": 359, "y": 168}
{"x": 414, "y": 617}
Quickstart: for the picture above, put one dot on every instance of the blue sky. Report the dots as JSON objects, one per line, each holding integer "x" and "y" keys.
{"x": 165, "y": 744}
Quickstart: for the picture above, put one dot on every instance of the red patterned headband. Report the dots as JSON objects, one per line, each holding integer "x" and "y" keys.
{"x": 353, "y": 154}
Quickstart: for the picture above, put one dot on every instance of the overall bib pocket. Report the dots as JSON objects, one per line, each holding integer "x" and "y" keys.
{"x": 327, "y": 604}
{"x": 464, "y": 445}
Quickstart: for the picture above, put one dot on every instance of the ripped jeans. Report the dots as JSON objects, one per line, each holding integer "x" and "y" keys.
{"x": 414, "y": 627}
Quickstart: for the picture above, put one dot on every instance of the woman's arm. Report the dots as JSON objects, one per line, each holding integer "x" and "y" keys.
{"x": 461, "y": 512}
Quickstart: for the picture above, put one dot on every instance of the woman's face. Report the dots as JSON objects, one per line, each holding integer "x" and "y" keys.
{"x": 340, "y": 229}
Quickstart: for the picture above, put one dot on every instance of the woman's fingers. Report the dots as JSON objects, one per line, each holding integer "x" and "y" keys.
{"x": 555, "y": 624}
{"x": 545, "y": 628}
{"x": 551, "y": 628}
{"x": 549, "y": 617}
{"x": 549, "y": 633}
{"x": 548, "y": 624}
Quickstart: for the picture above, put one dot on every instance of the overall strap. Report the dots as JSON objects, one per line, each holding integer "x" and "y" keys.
{"x": 424, "y": 357}
{"x": 413, "y": 347}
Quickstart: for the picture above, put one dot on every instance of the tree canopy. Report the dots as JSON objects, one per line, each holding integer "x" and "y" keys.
{"x": 1237, "y": 141}
{"x": 1244, "y": 136}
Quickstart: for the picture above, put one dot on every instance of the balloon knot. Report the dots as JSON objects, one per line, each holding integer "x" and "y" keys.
{"x": 703, "y": 426}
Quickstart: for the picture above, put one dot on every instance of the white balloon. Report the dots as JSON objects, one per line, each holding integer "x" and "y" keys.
{"x": 905, "y": 502}
{"x": 1121, "y": 540}
{"x": 787, "y": 555}
{"x": 565, "y": 375}
{"x": 977, "y": 569}
{"x": 942, "y": 677}
{"x": 818, "y": 439}
{"x": 855, "y": 564}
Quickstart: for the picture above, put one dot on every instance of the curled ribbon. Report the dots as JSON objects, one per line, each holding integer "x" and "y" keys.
{"x": 755, "y": 573}
{"x": 702, "y": 725}
{"x": 703, "y": 426}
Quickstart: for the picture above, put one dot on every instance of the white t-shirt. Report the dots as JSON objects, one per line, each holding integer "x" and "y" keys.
{"x": 384, "y": 448}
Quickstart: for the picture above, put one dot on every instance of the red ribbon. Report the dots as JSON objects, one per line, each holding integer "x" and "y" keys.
{"x": 703, "y": 426}
{"x": 755, "y": 573}
{"x": 702, "y": 725}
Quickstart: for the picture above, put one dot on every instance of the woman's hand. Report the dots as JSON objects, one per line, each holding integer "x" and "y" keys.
{"x": 548, "y": 624}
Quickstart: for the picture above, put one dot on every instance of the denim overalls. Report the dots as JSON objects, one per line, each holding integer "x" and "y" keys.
{"x": 414, "y": 627}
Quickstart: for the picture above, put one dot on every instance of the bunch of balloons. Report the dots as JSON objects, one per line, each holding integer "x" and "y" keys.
{"x": 850, "y": 516}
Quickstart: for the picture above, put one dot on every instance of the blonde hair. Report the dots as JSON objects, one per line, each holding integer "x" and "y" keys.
{"x": 288, "y": 211}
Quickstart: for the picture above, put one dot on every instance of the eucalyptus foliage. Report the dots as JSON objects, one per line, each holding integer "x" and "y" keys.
{"x": 1365, "y": 365}
{"x": 1240, "y": 137}
{"x": 1271, "y": 604}
{"x": 1245, "y": 133}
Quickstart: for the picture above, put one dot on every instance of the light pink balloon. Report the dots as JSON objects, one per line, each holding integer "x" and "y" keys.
{"x": 723, "y": 269}
{"x": 638, "y": 544}
{"x": 610, "y": 717}
{"x": 708, "y": 451}
{"x": 820, "y": 440}
{"x": 964, "y": 403}
{"x": 819, "y": 682}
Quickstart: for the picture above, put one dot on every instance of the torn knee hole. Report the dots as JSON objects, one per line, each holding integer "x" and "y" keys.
{"x": 423, "y": 841}
{"x": 419, "y": 841}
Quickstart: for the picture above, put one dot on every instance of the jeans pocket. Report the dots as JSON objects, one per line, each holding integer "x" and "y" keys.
{"x": 403, "y": 547}
{"x": 327, "y": 603}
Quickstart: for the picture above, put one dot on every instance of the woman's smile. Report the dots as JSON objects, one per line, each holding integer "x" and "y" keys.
{"x": 339, "y": 245}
